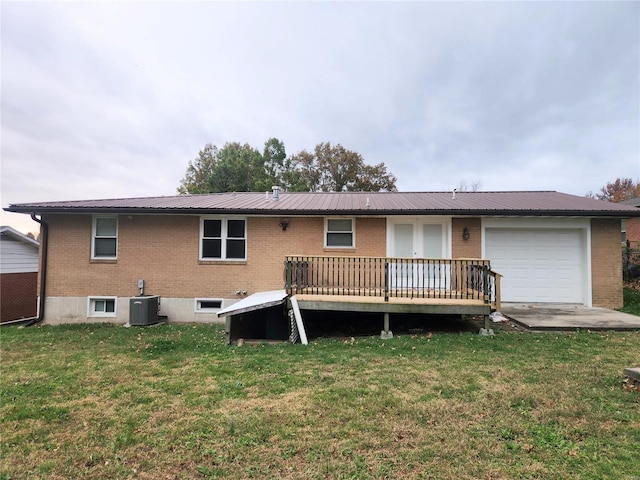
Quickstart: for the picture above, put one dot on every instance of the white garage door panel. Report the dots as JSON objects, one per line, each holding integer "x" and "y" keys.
{"x": 537, "y": 265}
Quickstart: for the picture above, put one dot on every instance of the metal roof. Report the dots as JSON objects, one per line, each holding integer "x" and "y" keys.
{"x": 535, "y": 203}
{"x": 18, "y": 236}
{"x": 634, "y": 202}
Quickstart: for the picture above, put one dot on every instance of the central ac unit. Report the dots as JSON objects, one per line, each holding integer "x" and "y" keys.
{"x": 144, "y": 310}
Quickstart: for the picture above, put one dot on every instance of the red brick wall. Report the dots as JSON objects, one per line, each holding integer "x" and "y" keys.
{"x": 606, "y": 263}
{"x": 632, "y": 226}
{"x": 163, "y": 250}
{"x": 18, "y": 295}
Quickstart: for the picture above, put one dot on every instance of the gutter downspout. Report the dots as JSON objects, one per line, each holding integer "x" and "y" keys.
{"x": 44, "y": 244}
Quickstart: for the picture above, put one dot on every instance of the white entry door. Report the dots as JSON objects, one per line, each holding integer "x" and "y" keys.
{"x": 418, "y": 240}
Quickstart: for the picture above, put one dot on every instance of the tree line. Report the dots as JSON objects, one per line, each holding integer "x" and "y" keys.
{"x": 242, "y": 168}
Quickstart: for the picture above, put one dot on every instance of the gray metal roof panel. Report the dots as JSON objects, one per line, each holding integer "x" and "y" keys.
{"x": 634, "y": 202}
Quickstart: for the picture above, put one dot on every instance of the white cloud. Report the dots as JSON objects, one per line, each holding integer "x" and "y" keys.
{"x": 113, "y": 99}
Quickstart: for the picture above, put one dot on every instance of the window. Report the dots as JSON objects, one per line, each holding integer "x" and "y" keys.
{"x": 208, "y": 305}
{"x": 223, "y": 239}
{"x": 339, "y": 233}
{"x": 102, "y": 307}
{"x": 105, "y": 237}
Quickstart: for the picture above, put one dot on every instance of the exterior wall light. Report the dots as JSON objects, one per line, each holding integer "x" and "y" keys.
{"x": 465, "y": 234}
{"x": 284, "y": 224}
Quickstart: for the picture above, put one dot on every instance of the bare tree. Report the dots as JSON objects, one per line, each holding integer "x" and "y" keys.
{"x": 474, "y": 187}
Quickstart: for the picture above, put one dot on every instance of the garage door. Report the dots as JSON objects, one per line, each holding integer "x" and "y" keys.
{"x": 538, "y": 265}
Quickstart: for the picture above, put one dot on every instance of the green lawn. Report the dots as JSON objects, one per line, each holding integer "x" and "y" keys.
{"x": 631, "y": 301}
{"x": 174, "y": 402}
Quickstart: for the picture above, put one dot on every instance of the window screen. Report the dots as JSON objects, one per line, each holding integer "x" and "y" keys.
{"x": 339, "y": 232}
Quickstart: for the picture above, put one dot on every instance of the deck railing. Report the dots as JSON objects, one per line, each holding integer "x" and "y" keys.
{"x": 388, "y": 277}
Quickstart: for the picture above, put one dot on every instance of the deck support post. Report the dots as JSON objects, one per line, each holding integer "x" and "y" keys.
{"x": 486, "y": 331}
{"x": 386, "y": 334}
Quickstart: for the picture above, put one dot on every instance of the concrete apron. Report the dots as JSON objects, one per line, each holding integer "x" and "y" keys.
{"x": 544, "y": 316}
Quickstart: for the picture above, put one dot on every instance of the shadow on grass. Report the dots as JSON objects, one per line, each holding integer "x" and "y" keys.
{"x": 343, "y": 324}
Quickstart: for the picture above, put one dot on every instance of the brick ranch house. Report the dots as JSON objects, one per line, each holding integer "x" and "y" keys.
{"x": 427, "y": 251}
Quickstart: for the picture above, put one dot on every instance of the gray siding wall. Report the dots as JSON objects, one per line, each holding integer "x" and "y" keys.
{"x": 17, "y": 257}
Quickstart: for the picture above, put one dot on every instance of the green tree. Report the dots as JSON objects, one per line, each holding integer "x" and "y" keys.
{"x": 241, "y": 168}
{"x": 196, "y": 179}
{"x": 336, "y": 169}
{"x": 274, "y": 158}
{"x": 234, "y": 168}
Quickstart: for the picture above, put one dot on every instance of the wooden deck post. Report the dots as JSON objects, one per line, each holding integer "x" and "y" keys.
{"x": 498, "y": 293}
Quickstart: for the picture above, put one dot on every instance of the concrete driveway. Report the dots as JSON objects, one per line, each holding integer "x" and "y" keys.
{"x": 538, "y": 316}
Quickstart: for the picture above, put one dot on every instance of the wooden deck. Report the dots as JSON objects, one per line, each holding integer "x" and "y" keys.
{"x": 393, "y": 285}
{"x": 434, "y": 286}
{"x": 376, "y": 304}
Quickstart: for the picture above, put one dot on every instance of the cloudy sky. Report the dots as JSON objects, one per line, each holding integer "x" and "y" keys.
{"x": 104, "y": 100}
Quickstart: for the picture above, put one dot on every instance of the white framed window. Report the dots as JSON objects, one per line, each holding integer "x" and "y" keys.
{"x": 339, "y": 233}
{"x": 104, "y": 237}
{"x": 102, "y": 306}
{"x": 223, "y": 238}
{"x": 208, "y": 305}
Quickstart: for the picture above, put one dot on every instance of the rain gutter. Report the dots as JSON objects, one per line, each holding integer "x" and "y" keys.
{"x": 349, "y": 212}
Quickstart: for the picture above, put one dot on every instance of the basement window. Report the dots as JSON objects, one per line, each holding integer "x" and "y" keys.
{"x": 208, "y": 305}
{"x": 102, "y": 306}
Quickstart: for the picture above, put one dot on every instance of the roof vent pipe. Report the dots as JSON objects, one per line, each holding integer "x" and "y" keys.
{"x": 276, "y": 192}
{"x": 453, "y": 197}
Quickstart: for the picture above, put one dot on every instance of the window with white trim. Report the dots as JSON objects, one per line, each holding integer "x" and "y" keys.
{"x": 104, "y": 237}
{"x": 208, "y": 305}
{"x": 223, "y": 239}
{"x": 339, "y": 233}
{"x": 102, "y": 306}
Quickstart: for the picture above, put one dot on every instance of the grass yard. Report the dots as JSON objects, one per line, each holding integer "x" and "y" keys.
{"x": 174, "y": 402}
{"x": 631, "y": 301}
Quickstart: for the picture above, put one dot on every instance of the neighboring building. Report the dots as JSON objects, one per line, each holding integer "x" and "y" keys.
{"x": 18, "y": 275}
{"x": 631, "y": 226}
{"x": 202, "y": 253}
